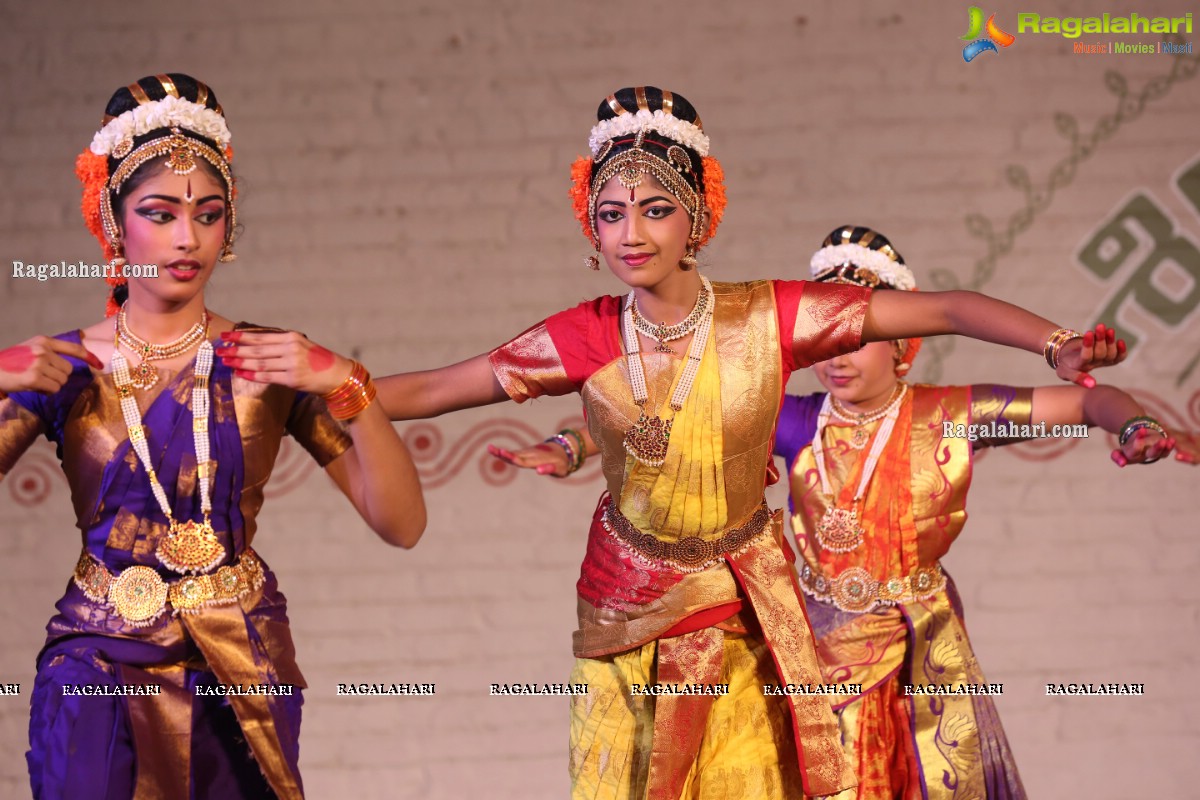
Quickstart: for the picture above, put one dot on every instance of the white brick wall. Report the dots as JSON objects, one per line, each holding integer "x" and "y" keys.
{"x": 403, "y": 174}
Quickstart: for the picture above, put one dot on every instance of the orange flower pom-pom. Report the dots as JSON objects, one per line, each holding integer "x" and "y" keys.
{"x": 92, "y": 171}
{"x": 714, "y": 195}
{"x": 581, "y": 185}
{"x": 910, "y": 354}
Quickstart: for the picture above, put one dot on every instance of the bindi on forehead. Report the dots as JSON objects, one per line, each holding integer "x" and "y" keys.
{"x": 188, "y": 197}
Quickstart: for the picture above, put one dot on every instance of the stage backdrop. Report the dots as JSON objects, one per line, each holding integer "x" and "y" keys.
{"x": 403, "y": 175}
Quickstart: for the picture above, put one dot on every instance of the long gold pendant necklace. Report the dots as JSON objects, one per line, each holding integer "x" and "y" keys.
{"x": 647, "y": 439}
{"x": 190, "y": 546}
{"x": 839, "y": 529}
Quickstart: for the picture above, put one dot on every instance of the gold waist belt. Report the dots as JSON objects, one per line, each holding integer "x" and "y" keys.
{"x": 139, "y": 595}
{"x": 689, "y": 554}
{"x": 855, "y": 589}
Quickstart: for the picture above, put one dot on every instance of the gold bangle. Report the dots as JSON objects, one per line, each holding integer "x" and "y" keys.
{"x": 1055, "y": 343}
{"x": 353, "y": 396}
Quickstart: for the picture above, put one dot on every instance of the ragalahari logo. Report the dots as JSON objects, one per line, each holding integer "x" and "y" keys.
{"x": 994, "y": 37}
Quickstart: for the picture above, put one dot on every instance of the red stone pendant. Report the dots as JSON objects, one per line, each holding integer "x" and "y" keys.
{"x": 190, "y": 547}
{"x": 647, "y": 440}
{"x": 839, "y": 531}
{"x": 143, "y": 376}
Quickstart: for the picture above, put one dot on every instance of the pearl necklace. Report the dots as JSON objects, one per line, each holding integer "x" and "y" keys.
{"x": 839, "y": 530}
{"x": 669, "y": 333}
{"x": 188, "y": 546}
{"x": 145, "y": 376}
{"x": 647, "y": 439}
{"x": 860, "y": 436}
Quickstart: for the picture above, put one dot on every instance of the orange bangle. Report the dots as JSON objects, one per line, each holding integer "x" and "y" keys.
{"x": 353, "y": 396}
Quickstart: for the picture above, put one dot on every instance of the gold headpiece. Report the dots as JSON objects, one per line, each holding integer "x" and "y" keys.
{"x": 182, "y": 152}
{"x": 632, "y": 165}
{"x": 175, "y": 123}
{"x": 684, "y": 166}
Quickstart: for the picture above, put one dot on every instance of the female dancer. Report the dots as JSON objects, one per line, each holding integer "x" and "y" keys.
{"x": 878, "y": 491}
{"x": 879, "y": 473}
{"x": 169, "y": 670}
{"x": 685, "y": 582}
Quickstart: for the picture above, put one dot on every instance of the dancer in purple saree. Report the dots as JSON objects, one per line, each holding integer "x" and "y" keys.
{"x": 169, "y": 670}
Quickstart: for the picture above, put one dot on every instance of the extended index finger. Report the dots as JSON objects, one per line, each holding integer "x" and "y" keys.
{"x": 74, "y": 350}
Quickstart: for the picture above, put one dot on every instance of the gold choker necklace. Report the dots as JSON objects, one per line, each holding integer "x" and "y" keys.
{"x": 144, "y": 375}
{"x": 861, "y": 435}
{"x": 669, "y": 333}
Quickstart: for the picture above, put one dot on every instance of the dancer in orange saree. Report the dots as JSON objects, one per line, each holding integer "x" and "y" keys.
{"x": 686, "y": 582}
{"x": 169, "y": 670}
{"x": 879, "y": 473}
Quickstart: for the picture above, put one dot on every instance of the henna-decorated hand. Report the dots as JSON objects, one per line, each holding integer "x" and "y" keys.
{"x": 1098, "y": 348}
{"x": 1145, "y": 447}
{"x": 38, "y": 364}
{"x": 286, "y": 358}
{"x": 546, "y": 458}
{"x": 1187, "y": 447}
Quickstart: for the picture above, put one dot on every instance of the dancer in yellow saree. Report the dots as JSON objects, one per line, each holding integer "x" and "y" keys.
{"x": 686, "y": 583}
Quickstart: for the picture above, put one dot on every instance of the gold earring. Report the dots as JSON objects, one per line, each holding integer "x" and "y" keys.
{"x": 592, "y": 262}
{"x": 688, "y": 262}
{"x": 118, "y": 260}
{"x": 227, "y": 254}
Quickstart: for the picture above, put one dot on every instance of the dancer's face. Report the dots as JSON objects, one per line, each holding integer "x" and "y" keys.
{"x": 643, "y": 231}
{"x": 178, "y": 223}
{"x": 861, "y": 377}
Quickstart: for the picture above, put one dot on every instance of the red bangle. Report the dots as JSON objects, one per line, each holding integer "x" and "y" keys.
{"x": 353, "y": 396}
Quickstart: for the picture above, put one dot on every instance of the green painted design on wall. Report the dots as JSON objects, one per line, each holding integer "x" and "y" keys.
{"x": 998, "y": 240}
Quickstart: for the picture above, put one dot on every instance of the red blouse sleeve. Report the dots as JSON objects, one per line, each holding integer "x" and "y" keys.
{"x": 556, "y": 356}
{"x": 818, "y": 321}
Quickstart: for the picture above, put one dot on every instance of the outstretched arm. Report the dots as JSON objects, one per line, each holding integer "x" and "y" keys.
{"x": 1105, "y": 407}
{"x": 905, "y": 315}
{"x": 430, "y": 393}
{"x": 547, "y": 458}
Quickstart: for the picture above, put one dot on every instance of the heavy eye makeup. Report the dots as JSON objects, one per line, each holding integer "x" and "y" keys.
{"x": 614, "y": 211}
{"x": 211, "y": 213}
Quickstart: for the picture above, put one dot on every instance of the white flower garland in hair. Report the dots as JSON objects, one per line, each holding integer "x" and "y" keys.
{"x": 166, "y": 113}
{"x": 890, "y": 272}
{"x": 672, "y": 127}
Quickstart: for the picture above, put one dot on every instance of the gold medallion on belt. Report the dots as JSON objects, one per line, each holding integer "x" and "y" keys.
{"x": 140, "y": 596}
{"x": 855, "y": 589}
